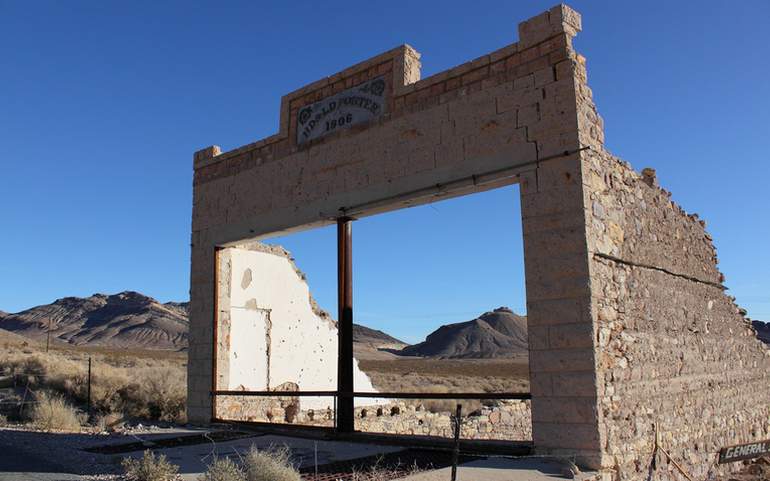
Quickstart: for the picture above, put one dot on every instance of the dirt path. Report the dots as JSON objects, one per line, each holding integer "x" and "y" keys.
{"x": 18, "y": 464}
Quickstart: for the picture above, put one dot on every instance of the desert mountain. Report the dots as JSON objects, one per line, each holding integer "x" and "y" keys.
{"x": 10, "y": 339}
{"x": 495, "y": 334}
{"x": 131, "y": 320}
{"x": 372, "y": 336}
{"x": 128, "y": 320}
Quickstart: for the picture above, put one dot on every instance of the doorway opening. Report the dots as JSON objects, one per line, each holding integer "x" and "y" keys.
{"x": 440, "y": 320}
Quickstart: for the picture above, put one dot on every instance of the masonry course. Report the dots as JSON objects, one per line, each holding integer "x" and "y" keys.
{"x": 631, "y": 335}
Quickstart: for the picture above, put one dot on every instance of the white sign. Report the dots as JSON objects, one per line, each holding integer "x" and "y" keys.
{"x": 349, "y": 107}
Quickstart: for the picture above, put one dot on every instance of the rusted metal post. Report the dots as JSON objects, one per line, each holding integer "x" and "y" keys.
{"x": 456, "y": 448}
{"x": 345, "y": 386}
{"x": 48, "y": 336}
{"x": 89, "y": 388}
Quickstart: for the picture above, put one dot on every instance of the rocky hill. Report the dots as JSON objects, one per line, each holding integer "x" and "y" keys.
{"x": 128, "y": 319}
{"x": 133, "y": 320}
{"x": 497, "y": 334}
{"x": 372, "y": 336}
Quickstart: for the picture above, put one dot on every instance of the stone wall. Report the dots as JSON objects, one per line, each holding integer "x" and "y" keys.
{"x": 675, "y": 353}
{"x": 630, "y": 330}
{"x": 488, "y": 122}
{"x": 505, "y": 420}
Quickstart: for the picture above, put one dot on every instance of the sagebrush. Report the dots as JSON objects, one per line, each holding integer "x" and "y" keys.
{"x": 149, "y": 468}
{"x": 135, "y": 387}
{"x": 272, "y": 464}
{"x": 223, "y": 469}
{"x": 51, "y": 412}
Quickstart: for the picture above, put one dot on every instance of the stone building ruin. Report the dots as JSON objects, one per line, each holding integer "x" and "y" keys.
{"x": 271, "y": 335}
{"x": 633, "y": 342}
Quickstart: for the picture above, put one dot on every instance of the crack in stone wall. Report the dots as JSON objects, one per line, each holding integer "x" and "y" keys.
{"x": 659, "y": 269}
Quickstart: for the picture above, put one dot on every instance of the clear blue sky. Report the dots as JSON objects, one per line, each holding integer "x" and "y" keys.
{"x": 103, "y": 103}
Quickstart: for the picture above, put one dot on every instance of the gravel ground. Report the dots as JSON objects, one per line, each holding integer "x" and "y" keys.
{"x": 26, "y": 451}
{"x": 27, "y": 455}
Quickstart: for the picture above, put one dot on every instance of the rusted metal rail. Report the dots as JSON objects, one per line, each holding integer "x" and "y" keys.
{"x": 388, "y": 395}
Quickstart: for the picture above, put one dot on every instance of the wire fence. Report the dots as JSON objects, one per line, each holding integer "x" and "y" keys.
{"x": 28, "y": 380}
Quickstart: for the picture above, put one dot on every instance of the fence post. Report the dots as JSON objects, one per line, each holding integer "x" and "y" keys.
{"x": 456, "y": 450}
{"x": 89, "y": 388}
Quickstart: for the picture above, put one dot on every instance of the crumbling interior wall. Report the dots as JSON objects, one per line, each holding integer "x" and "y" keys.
{"x": 271, "y": 334}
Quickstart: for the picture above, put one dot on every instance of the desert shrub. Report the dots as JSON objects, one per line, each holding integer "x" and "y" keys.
{"x": 271, "y": 464}
{"x": 223, "y": 469}
{"x": 52, "y": 412}
{"x": 149, "y": 468}
{"x": 159, "y": 393}
{"x": 133, "y": 386}
{"x": 377, "y": 472}
{"x": 166, "y": 394}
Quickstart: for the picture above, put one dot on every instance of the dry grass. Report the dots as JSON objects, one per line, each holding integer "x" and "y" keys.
{"x": 223, "y": 469}
{"x": 380, "y": 473}
{"x": 52, "y": 413}
{"x": 447, "y": 376}
{"x": 149, "y": 468}
{"x": 269, "y": 465}
{"x": 141, "y": 387}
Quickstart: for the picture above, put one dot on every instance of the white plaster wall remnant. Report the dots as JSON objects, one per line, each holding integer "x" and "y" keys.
{"x": 248, "y": 349}
{"x": 277, "y": 335}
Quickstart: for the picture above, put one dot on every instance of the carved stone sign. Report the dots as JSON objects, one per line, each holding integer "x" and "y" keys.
{"x": 342, "y": 110}
{"x": 744, "y": 451}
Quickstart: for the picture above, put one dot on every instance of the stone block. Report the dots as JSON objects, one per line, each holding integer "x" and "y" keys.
{"x": 573, "y": 384}
{"x": 558, "y": 311}
{"x": 538, "y": 337}
{"x": 562, "y": 360}
{"x": 565, "y": 410}
{"x": 571, "y": 336}
{"x": 548, "y": 436}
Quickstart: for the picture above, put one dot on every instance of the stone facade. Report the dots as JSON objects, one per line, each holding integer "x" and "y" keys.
{"x": 630, "y": 331}
{"x": 674, "y": 352}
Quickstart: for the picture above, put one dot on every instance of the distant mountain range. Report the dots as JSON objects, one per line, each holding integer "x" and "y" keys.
{"x": 128, "y": 319}
{"x": 497, "y": 334}
{"x": 373, "y": 336}
{"x": 133, "y": 320}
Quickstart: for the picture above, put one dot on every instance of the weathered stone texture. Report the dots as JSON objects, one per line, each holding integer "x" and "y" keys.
{"x": 674, "y": 352}
{"x": 630, "y": 328}
{"x": 505, "y": 420}
{"x": 473, "y": 127}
